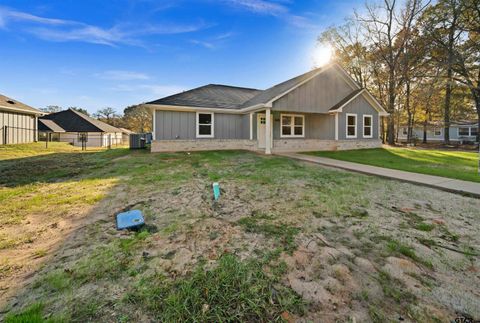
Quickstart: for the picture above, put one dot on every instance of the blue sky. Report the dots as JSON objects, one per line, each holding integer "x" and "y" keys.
{"x": 94, "y": 54}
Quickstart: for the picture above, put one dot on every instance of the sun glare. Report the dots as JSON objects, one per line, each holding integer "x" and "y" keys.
{"x": 322, "y": 55}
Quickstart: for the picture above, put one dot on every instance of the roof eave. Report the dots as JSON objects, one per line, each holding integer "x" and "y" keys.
{"x": 167, "y": 107}
{"x": 37, "y": 113}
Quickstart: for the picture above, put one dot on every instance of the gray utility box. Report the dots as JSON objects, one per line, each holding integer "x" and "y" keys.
{"x": 138, "y": 140}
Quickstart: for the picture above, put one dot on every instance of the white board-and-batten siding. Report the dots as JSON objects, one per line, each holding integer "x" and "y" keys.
{"x": 20, "y": 128}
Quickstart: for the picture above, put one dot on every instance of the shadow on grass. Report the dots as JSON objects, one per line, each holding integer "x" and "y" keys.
{"x": 54, "y": 167}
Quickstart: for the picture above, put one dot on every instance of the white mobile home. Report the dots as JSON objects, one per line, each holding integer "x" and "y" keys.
{"x": 461, "y": 132}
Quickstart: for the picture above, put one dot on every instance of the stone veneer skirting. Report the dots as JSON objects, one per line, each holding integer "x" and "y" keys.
{"x": 293, "y": 145}
{"x": 202, "y": 144}
{"x": 280, "y": 145}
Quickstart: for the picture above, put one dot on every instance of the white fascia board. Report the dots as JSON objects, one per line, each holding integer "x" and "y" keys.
{"x": 154, "y": 107}
{"x": 370, "y": 99}
{"x": 375, "y": 103}
{"x": 340, "y": 109}
{"x": 39, "y": 113}
{"x": 347, "y": 77}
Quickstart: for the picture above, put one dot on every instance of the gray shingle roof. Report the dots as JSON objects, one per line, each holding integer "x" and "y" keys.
{"x": 74, "y": 121}
{"x": 8, "y": 103}
{"x": 49, "y": 125}
{"x": 210, "y": 96}
{"x": 230, "y": 97}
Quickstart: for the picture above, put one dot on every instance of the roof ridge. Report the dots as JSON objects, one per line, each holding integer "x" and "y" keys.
{"x": 235, "y": 87}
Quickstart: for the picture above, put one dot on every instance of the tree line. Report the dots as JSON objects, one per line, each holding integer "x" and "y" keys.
{"x": 420, "y": 59}
{"x": 134, "y": 118}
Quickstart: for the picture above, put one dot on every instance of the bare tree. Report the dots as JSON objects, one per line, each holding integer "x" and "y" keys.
{"x": 388, "y": 27}
{"x": 105, "y": 114}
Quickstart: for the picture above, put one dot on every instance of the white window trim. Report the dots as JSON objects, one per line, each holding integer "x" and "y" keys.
{"x": 292, "y": 126}
{"x": 469, "y": 132}
{"x": 435, "y": 129}
{"x": 370, "y": 126}
{"x": 212, "y": 125}
{"x": 346, "y": 124}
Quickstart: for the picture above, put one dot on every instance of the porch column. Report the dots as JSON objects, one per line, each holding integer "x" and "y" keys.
{"x": 154, "y": 112}
{"x": 251, "y": 125}
{"x": 268, "y": 132}
{"x": 336, "y": 126}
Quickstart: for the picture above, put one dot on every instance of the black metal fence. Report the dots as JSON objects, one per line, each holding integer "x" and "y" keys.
{"x": 17, "y": 135}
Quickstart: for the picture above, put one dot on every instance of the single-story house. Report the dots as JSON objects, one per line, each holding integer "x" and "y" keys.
{"x": 460, "y": 131}
{"x": 324, "y": 109}
{"x": 18, "y": 122}
{"x": 126, "y": 134}
{"x": 75, "y": 127}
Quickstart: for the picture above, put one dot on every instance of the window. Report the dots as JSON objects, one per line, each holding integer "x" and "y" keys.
{"x": 437, "y": 132}
{"x": 367, "y": 126}
{"x": 405, "y": 131}
{"x": 205, "y": 125}
{"x": 292, "y": 125}
{"x": 473, "y": 132}
{"x": 463, "y": 131}
{"x": 351, "y": 125}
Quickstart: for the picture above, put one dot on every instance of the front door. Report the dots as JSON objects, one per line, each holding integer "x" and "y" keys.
{"x": 261, "y": 126}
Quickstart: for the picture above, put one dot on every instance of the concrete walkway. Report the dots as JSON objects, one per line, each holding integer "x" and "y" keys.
{"x": 443, "y": 183}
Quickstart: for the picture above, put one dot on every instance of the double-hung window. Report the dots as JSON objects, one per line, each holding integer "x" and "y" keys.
{"x": 292, "y": 125}
{"x": 205, "y": 124}
{"x": 437, "y": 132}
{"x": 367, "y": 126}
{"x": 473, "y": 132}
{"x": 464, "y": 131}
{"x": 351, "y": 125}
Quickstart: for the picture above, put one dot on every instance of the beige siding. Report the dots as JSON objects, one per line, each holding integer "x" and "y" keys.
{"x": 95, "y": 139}
{"x": 20, "y": 128}
{"x": 317, "y": 95}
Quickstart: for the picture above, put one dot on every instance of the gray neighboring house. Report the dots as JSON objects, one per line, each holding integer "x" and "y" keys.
{"x": 18, "y": 122}
{"x": 461, "y": 132}
{"x": 73, "y": 126}
{"x": 324, "y": 109}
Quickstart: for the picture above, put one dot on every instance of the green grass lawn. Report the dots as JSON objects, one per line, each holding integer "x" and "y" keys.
{"x": 452, "y": 164}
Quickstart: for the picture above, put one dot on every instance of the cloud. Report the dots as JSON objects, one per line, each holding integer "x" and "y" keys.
{"x": 213, "y": 42}
{"x": 260, "y": 6}
{"x": 60, "y": 30}
{"x": 12, "y": 15}
{"x": 152, "y": 91}
{"x": 202, "y": 43}
{"x": 119, "y": 75}
{"x": 277, "y": 9}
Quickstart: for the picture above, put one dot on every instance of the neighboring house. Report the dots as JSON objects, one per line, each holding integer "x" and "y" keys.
{"x": 461, "y": 132}
{"x": 324, "y": 109}
{"x": 18, "y": 122}
{"x": 73, "y": 127}
{"x": 126, "y": 135}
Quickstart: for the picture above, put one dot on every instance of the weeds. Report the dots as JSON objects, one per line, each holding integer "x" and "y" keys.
{"x": 232, "y": 291}
{"x": 397, "y": 247}
{"x": 425, "y": 226}
{"x": 282, "y": 233}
